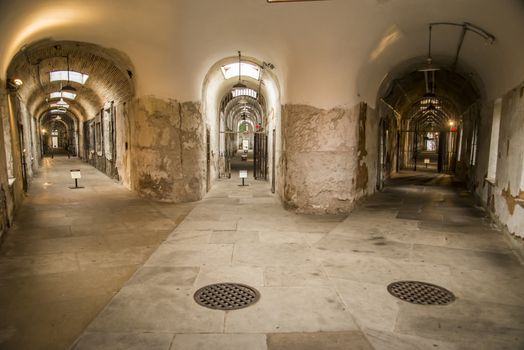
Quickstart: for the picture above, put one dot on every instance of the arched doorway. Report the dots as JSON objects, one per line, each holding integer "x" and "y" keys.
{"x": 70, "y": 85}
{"x": 243, "y": 141}
{"x": 59, "y": 133}
{"x": 241, "y": 106}
{"x": 428, "y": 120}
{"x": 428, "y": 135}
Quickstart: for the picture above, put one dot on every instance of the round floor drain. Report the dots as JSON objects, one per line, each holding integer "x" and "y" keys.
{"x": 420, "y": 293}
{"x": 226, "y": 296}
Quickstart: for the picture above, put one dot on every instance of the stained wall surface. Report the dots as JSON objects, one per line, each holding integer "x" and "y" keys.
{"x": 167, "y": 140}
{"x": 504, "y": 195}
{"x": 329, "y": 157}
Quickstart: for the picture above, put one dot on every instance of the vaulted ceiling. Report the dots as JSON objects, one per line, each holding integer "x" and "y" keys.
{"x": 404, "y": 93}
{"x": 326, "y": 53}
{"x": 110, "y": 76}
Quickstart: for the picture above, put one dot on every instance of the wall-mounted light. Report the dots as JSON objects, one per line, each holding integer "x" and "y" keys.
{"x": 13, "y": 84}
{"x": 451, "y": 123}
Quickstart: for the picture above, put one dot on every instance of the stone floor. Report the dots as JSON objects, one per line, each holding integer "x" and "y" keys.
{"x": 322, "y": 279}
{"x": 70, "y": 251}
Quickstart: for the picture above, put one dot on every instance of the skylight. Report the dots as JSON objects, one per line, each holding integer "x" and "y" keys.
{"x": 244, "y": 92}
{"x": 73, "y": 76}
{"x": 248, "y": 69}
{"x": 426, "y": 102}
{"x": 64, "y": 94}
{"x": 57, "y": 105}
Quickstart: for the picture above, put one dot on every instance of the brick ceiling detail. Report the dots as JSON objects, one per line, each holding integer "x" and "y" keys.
{"x": 110, "y": 76}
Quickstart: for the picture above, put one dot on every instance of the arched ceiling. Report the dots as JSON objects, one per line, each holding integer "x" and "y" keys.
{"x": 326, "y": 53}
{"x": 403, "y": 94}
{"x": 49, "y": 122}
{"x": 109, "y": 76}
{"x": 243, "y": 106}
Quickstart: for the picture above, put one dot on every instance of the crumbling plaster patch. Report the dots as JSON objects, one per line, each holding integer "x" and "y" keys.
{"x": 167, "y": 140}
{"x": 325, "y": 158}
{"x": 511, "y": 200}
{"x": 503, "y": 197}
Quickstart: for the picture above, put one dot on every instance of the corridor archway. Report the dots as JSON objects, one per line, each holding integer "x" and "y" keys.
{"x": 59, "y": 133}
{"x": 428, "y": 122}
{"x": 241, "y": 106}
{"x": 70, "y": 86}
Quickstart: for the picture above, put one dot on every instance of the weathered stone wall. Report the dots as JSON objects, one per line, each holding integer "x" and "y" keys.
{"x": 19, "y": 158}
{"x": 6, "y": 200}
{"x": 123, "y": 161}
{"x": 326, "y": 157}
{"x": 505, "y": 197}
{"x": 166, "y": 145}
{"x": 371, "y": 143}
{"x": 17, "y": 187}
{"x": 30, "y": 144}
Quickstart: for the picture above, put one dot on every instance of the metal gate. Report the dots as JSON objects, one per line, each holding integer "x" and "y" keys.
{"x": 260, "y": 156}
{"x": 411, "y": 150}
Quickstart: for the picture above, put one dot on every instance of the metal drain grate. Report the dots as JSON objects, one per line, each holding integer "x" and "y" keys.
{"x": 226, "y": 296}
{"x": 421, "y": 293}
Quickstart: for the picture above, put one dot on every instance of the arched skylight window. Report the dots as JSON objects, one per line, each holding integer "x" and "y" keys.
{"x": 73, "y": 76}
{"x": 56, "y": 105}
{"x": 248, "y": 69}
{"x": 64, "y": 94}
{"x": 244, "y": 92}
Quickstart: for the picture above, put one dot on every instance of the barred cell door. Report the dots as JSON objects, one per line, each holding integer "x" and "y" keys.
{"x": 260, "y": 156}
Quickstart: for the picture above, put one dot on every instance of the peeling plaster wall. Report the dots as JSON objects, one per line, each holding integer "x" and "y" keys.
{"x": 167, "y": 149}
{"x": 329, "y": 157}
{"x": 505, "y": 198}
